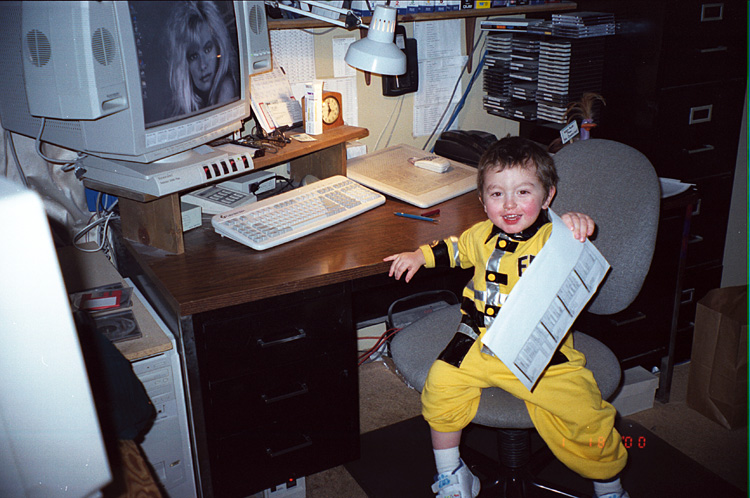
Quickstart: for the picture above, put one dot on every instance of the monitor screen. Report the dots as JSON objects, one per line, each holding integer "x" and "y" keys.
{"x": 188, "y": 64}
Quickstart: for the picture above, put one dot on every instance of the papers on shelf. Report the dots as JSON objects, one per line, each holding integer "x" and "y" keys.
{"x": 671, "y": 187}
{"x": 272, "y": 100}
{"x": 544, "y": 304}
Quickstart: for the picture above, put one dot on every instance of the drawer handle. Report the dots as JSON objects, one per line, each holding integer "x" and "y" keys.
{"x": 277, "y": 453}
{"x": 302, "y": 389}
{"x": 705, "y": 148}
{"x": 291, "y": 336}
{"x": 712, "y": 12}
{"x": 720, "y": 48}
{"x": 639, "y": 315}
{"x": 687, "y": 296}
{"x": 695, "y": 239}
{"x": 700, "y": 114}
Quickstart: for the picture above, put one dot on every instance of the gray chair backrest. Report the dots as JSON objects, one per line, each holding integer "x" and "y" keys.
{"x": 617, "y": 186}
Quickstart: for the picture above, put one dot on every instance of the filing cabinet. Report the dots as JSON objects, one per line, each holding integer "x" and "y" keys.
{"x": 280, "y": 385}
{"x": 674, "y": 84}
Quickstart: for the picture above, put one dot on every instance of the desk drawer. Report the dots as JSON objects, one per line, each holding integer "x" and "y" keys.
{"x": 266, "y": 456}
{"x": 312, "y": 390}
{"x": 276, "y": 333}
{"x": 692, "y": 138}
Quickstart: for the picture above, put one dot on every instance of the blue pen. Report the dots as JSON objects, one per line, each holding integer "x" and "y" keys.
{"x": 416, "y": 217}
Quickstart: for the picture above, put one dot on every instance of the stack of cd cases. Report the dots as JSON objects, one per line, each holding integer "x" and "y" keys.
{"x": 583, "y": 24}
{"x": 567, "y": 70}
{"x": 511, "y": 81}
{"x": 534, "y": 71}
{"x": 496, "y": 73}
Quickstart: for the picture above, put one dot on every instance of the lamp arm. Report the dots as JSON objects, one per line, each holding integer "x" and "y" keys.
{"x": 352, "y": 19}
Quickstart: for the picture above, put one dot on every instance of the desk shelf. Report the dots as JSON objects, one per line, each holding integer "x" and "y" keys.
{"x": 157, "y": 221}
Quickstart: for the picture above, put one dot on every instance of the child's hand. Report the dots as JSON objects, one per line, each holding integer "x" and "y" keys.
{"x": 408, "y": 262}
{"x": 580, "y": 224}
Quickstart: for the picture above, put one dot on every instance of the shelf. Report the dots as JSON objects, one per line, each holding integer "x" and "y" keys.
{"x": 470, "y": 15}
{"x": 435, "y": 16}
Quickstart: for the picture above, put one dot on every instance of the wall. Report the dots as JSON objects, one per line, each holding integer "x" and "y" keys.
{"x": 735, "y": 250}
{"x": 375, "y": 109}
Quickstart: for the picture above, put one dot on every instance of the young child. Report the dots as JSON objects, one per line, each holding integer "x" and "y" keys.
{"x": 516, "y": 180}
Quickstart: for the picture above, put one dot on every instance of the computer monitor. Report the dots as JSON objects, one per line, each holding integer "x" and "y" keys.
{"x": 129, "y": 83}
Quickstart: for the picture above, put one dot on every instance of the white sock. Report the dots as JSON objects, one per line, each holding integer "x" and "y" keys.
{"x": 447, "y": 460}
{"x": 603, "y": 488}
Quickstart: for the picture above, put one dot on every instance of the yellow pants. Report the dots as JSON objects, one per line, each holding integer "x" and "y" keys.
{"x": 566, "y": 407}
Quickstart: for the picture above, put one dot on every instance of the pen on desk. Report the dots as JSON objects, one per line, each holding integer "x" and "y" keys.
{"x": 416, "y": 217}
{"x": 434, "y": 212}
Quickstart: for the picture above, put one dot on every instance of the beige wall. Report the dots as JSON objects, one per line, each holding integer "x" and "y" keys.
{"x": 375, "y": 109}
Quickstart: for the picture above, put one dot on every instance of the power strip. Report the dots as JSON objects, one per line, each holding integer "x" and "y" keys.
{"x": 293, "y": 488}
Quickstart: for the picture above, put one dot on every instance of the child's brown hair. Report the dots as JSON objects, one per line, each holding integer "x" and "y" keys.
{"x": 510, "y": 152}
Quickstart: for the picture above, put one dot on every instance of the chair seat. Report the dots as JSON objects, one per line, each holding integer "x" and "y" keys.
{"x": 416, "y": 347}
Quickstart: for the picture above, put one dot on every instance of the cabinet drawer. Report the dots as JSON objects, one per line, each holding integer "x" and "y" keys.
{"x": 692, "y": 130}
{"x": 276, "y": 333}
{"x": 704, "y": 41}
{"x": 258, "y": 459}
{"x": 698, "y": 281}
{"x": 308, "y": 391}
{"x": 708, "y": 226}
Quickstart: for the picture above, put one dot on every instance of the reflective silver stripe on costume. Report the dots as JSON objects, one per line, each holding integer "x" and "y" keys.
{"x": 492, "y": 296}
{"x": 466, "y": 330}
{"x": 452, "y": 244}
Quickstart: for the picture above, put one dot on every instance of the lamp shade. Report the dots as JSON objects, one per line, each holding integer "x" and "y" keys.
{"x": 377, "y": 53}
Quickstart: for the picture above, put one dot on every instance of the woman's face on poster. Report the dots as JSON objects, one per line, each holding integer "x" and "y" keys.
{"x": 202, "y": 56}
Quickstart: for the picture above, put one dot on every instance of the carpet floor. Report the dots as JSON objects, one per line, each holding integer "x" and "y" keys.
{"x": 655, "y": 469}
{"x": 388, "y": 407}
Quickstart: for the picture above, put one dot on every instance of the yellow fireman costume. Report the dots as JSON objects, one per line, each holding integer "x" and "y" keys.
{"x": 566, "y": 406}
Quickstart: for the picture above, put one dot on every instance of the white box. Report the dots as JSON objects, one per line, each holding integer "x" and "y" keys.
{"x": 243, "y": 183}
{"x": 314, "y": 108}
{"x": 355, "y": 149}
{"x": 637, "y": 391}
{"x": 191, "y": 216}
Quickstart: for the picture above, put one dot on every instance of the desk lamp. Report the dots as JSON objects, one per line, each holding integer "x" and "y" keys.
{"x": 376, "y": 53}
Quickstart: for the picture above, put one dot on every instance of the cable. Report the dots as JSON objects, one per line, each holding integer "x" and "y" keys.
{"x": 9, "y": 140}
{"x": 469, "y": 57}
{"x": 385, "y": 127}
{"x": 461, "y": 102}
{"x": 101, "y": 220}
{"x": 67, "y": 165}
{"x": 388, "y": 334}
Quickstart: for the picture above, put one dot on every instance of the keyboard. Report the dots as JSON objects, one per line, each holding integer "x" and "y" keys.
{"x": 294, "y": 214}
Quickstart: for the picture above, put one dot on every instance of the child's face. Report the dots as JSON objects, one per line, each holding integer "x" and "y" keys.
{"x": 202, "y": 59}
{"x": 514, "y": 197}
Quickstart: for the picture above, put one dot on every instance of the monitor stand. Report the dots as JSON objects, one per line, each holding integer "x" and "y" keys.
{"x": 183, "y": 171}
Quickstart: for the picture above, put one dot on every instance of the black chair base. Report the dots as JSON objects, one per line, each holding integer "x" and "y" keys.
{"x": 514, "y": 477}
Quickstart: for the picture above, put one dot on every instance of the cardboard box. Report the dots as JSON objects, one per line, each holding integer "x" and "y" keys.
{"x": 717, "y": 382}
{"x": 637, "y": 391}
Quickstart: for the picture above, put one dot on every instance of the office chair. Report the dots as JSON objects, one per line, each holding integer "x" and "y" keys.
{"x": 617, "y": 186}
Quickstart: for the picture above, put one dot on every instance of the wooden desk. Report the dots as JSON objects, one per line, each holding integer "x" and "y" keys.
{"x": 268, "y": 338}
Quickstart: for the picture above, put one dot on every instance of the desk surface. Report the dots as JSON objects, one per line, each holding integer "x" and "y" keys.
{"x": 216, "y": 272}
